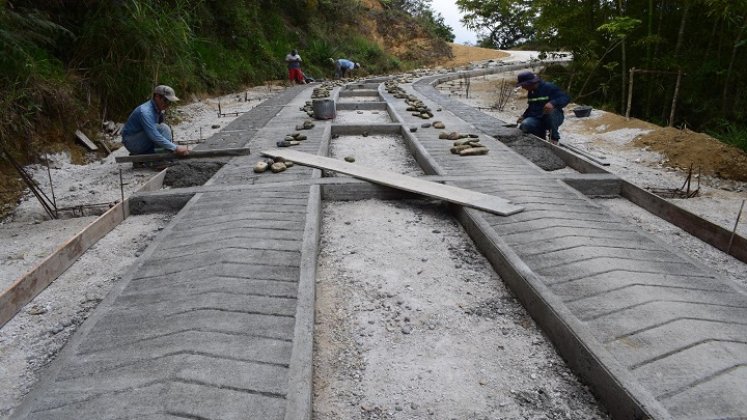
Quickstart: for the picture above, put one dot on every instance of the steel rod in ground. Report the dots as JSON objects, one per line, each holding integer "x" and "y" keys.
{"x": 121, "y": 192}
{"x": 51, "y": 188}
{"x": 734, "y": 231}
{"x": 30, "y": 183}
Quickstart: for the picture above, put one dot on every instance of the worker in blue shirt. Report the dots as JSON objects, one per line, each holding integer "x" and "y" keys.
{"x": 145, "y": 131}
{"x": 342, "y": 66}
{"x": 545, "y": 103}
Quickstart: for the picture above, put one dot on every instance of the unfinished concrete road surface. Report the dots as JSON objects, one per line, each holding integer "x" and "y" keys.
{"x": 216, "y": 319}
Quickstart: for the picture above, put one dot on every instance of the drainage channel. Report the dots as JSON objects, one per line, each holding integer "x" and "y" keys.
{"x": 216, "y": 319}
{"x": 412, "y": 321}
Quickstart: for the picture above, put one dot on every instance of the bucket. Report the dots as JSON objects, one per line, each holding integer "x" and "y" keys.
{"x": 324, "y": 109}
{"x": 582, "y": 111}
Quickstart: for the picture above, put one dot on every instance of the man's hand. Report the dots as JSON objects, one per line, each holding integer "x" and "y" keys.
{"x": 548, "y": 108}
{"x": 181, "y": 151}
{"x": 518, "y": 121}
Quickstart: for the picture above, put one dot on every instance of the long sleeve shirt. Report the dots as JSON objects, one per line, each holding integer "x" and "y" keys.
{"x": 145, "y": 118}
{"x": 544, "y": 93}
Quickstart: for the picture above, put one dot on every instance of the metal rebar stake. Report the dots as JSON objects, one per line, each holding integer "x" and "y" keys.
{"x": 121, "y": 192}
{"x": 734, "y": 231}
{"x": 51, "y": 188}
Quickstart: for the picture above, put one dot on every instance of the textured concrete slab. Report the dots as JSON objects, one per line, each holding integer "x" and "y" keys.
{"x": 216, "y": 319}
{"x": 205, "y": 324}
{"x": 671, "y": 333}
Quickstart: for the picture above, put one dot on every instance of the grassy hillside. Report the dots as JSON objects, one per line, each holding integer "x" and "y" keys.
{"x": 68, "y": 65}
{"x": 72, "y": 65}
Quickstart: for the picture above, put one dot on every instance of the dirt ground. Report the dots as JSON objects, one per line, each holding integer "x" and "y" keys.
{"x": 381, "y": 267}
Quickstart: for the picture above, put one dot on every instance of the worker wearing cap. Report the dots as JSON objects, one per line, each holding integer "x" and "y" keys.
{"x": 342, "y": 66}
{"x": 145, "y": 130}
{"x": 545, "y": 103}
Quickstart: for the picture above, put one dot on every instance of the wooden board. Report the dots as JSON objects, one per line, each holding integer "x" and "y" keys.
{"x": 26, "y": 287}
{"x": 194, "y": 154}
{"x": 38, "y": 278}
{"x": 85, "y": 140}
{"x": 449, "y": 193}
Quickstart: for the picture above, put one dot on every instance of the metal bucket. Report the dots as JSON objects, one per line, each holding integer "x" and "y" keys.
{"x": 324, "y": 109}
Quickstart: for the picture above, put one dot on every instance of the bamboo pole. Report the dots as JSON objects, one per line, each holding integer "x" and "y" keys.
{"x": 630, "y": 93}
{"x": 674, "y": 97}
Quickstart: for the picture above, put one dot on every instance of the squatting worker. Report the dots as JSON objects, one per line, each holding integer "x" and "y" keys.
{"x": 294, "y": 67}
{"x": 343, "y": 66}
{"x": 545, "y": 103}
{"x": 145, "y": 130}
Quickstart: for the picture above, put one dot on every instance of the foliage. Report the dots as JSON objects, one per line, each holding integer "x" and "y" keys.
{"x": 507, "y": 23}
{"x": 427, "y": 17}
{"x": 68, "y": 64}
{"x": 704, "y": 39}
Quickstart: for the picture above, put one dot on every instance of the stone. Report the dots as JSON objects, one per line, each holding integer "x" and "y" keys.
{"x": 260, "y": 167}
{"x": 278, "y": 167}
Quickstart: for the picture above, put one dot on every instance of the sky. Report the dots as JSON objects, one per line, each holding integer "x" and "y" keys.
{"x": 451, "y": 15}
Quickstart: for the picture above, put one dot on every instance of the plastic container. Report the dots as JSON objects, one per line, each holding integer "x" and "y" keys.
{"x": 324, "y": 109}
{"x": 582, "y": 111}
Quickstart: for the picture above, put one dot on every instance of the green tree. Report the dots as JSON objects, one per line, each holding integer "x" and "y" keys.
{"x": 506, "y": 23}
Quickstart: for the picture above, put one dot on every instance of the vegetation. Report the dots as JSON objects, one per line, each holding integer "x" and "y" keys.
{"x": 704, "y": 40}
{"x": 69, "y": 65}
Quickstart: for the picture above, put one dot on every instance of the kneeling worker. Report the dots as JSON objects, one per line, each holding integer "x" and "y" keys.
{"x": 145, "y": 130}
{"x": 545, "y": 103}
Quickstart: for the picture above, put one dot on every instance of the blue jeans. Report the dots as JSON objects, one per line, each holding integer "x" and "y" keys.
{"x": 540, "y": 126}
{"x": 140, "y": 143}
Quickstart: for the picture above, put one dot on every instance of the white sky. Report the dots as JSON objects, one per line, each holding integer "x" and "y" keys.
{"x": 451, "y": 15}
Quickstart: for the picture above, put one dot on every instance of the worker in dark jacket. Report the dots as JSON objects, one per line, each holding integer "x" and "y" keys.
{"x": 545, "y": 103}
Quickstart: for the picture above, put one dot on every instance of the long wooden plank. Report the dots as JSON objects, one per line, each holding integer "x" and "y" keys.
{"x": 26, "y": 287}
{"x": 38, "y": 278}
{"x": 706, "y": 231}
{"x": 156, "y": 157}
{"x": 449, "y": 193}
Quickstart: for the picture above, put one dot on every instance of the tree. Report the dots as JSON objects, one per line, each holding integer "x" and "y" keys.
{"x": 507, "y": 23}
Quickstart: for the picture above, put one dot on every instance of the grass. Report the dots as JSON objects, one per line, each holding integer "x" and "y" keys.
{"x": 731, "y": 134}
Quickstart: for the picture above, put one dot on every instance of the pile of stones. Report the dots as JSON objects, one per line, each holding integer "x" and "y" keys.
{"x": 416, "y": 106}
{"x": 276, "y": 165}
{"x": 292, "y": 139}
{"x": 465, "y": 144}
{"x": 307, "y": 125}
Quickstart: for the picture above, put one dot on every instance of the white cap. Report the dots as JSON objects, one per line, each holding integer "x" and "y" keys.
{"x": 167, "y": 92}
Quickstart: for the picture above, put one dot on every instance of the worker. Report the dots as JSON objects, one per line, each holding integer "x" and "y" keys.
{"x": 145, "y": 132}
{"x": 294, "y": 67}
{"x": 343, "y": 66}
{"x": 545, "y": 103}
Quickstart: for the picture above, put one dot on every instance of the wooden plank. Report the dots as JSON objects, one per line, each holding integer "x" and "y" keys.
{"x": 26, "y": 287}
{"x": 706, "y": 231}
{"x": 105, "y": 146}
{"x": 85, "y": 140}
{"x": 449, "y": 193}
{"x": 38, "y": 278}
{"x": 599, "y": 160}
{"x": 194, "y": 154}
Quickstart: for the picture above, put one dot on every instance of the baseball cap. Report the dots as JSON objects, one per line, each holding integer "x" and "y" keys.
{"x": 526, "y": 78}
{"x": 167, "y": 92}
